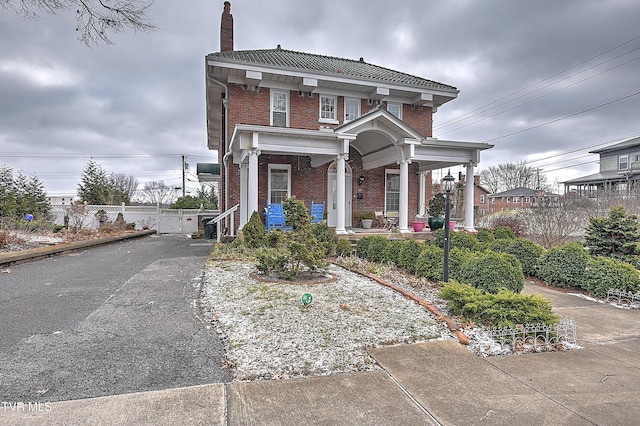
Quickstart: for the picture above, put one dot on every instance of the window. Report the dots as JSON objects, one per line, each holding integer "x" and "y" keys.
{"x": 481, "y": 198}
{"x": 279, "y": 182}
{"x": 395, "y": 109}
{"x": 508, "y": 200}
{"x": 392, "y": 191}
{"x": 516, "y": 200}
{"x": 527, "y": 200}
{"x": 493, "y": 201}
{"x": 351, "y": 109}
{"x": 279, "y": 108}
{"x": 623, "y": 162}
{"x": 328, "y": 110}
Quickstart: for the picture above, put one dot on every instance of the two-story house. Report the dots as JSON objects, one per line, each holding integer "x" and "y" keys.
{"x": 619, "y": 171}
{"x": 354, "y": 135}
{"x": 521, "y": 198}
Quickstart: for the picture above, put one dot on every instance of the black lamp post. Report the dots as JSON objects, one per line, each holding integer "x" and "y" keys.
{"x": 447, "y": 187}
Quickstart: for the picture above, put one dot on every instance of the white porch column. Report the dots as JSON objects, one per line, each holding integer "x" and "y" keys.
{"x": 244, "y": 174}
{"x": 469, "y": 199}
{"x": 341, "y": 204}
{"x": 404, "y": 196}
{"x": 421, "y": 193}
{"x": 252, "y": 183}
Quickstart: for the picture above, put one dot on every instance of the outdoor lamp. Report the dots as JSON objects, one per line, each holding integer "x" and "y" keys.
{"x": 447, "y": 185}
{"x": 360, "y": 180}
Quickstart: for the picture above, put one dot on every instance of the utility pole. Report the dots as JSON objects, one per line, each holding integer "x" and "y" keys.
{"x": 184, "y": 189}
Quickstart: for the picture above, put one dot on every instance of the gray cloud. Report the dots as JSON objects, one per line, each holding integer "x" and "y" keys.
{"x": 145, "y": 94}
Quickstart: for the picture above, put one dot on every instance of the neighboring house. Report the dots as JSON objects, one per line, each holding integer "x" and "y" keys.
{"x": 619, "y": 171}
{"x": 62, "y": 200}
{"x": 480, "y": 197}
{"x": 354, "y": 135}
{"x": 521, "y": 198}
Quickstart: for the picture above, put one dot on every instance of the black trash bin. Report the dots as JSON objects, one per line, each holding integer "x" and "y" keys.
{"x": 209, "y": 228}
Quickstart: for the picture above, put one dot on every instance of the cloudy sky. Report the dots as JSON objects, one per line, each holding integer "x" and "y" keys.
{"x": 545, "y": 81}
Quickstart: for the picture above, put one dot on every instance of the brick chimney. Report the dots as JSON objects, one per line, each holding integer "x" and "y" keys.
{"x": 226, "y": 29}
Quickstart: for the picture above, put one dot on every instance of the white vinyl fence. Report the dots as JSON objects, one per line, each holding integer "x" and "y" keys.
{"x": 164, "y": 221}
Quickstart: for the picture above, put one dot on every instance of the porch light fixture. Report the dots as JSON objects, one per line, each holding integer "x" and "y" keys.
{"x": 447, "y": 186}
{"x": 360, "y": 180}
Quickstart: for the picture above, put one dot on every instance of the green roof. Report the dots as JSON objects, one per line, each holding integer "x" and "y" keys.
{"x": 330, "y": 65}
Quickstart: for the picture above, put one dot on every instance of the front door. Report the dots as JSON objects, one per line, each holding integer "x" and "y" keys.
{"x": 332, "y": 179}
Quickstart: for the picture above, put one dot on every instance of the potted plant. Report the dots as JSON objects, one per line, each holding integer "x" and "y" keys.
{"x": 366, "y": 219}
{"x": 436, "y": 211}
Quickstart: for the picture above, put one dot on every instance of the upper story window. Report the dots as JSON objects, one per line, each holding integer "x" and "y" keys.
{"x": 279, "y": 108}
{"x": 493, "y": 201}
{"x": 481, "y": 198}
{"x": 351, "y": 109}
{"x": 328, "y": 109}
{"x": 527, "y": 200}
{"x": 395, "y": 109}
{"x": 623, "y": 162}
{"x": 516, "y": 200}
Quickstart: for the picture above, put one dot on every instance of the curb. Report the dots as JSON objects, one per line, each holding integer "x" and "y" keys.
{"x": 440, "y": 317}
{"x": 44, "y": 252}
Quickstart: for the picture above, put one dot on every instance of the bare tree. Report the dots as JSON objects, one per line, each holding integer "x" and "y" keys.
{"x": 157, "y": 192}
{"x": 121, "y": 188}
{"x": 95, "y": 19}
{"x": 506, "y": 176}
{"x": 554, "y": 224}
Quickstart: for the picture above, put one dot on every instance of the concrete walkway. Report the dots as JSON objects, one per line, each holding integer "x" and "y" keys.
{"x": 430, "y": 383}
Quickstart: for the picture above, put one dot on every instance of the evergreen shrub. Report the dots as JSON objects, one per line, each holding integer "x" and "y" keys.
{"x": 362, "y": 246}
{"x": 527, "y": 252}
{"x": 409, "y": 255}
{"x": 392, "y": 252}
{"x": 254, "y": 232}
{"x": 343, "y": 248}
{"x": 376, "y": 248}
{"x": 564, "y": 266}
{"x": 492, "y": 272}
{"x": 430, "y": 262}
{"x": 604, "y": 273}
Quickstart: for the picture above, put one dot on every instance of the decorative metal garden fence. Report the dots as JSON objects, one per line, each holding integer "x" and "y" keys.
{"x": 625, "y": 298}
{"x": 537, "y": 335}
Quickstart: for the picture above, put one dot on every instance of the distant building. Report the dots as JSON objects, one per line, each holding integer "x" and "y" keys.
{"x": 62, "y": 200}
{"x": 619, "y": 171}
{"x": 521, "y": 198}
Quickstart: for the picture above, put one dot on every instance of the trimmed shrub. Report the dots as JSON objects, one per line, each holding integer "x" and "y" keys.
{"x": 409, "y": 254}
{"x": 527, "y": 252}
{"x": 362, "y": 246}
{"x": 485, "y": 235}
{"x": 503, "y": 232}
{"x": 392, "y": 252}
{"x": 458, "y": 260}
{"x": 504, "y": 309}
{"x": 456, "y": 239}
{"x": 326, "y": 236}
{"x": 376, "y": 248}
{"x": 564, "y": 266}
{"x": 430, "y": 263}
{"x": 492, "y": 272}
{"x": 343, "y": 248}
{"x": 616, "y": 236}
{"x": 604, "y": 273}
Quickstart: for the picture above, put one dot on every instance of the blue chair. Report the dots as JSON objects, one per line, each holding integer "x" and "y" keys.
{"x": 317, "y": 212}
{"x": 274, "y": 214}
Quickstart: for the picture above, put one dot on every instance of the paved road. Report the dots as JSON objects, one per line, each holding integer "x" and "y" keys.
{"x": 107, "y": 320}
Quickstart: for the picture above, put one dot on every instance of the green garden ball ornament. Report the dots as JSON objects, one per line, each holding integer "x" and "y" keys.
{"x": 306, "y": 299}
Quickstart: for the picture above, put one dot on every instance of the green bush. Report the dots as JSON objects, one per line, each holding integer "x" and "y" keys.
{"x": 485, "y": 235}
{"x": 492, "y": 272}
{"x": 458, "y": 260}
{"x": 343, "y": 248}
{"x": 296, "y": 213}
{"x": 362, "y": 246}
{"x": 409, "y": 254}
{"x": 254, "y": 232}
{"x": 326, "y": 237}
{"x": 392, "y": 252}
{"x": 503, "y": 232}
{"x": 604, "y": 273}
{"x": 564, "y": 266}
{"x": 527, "y": 252}
{"x": 456, "y": 239}
{"x": 376, "y": 248}
{"x": 616, "y": 236}
{"x": 429, "y": 263}
{"x": 504, "y": 309}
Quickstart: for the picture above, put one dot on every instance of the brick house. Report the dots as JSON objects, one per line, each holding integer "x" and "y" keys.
{"x": 354, "y": 135}
{"x": 521, "y": 198}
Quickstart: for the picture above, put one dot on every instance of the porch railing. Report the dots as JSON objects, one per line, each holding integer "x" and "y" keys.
{"x": 216, "y": 221}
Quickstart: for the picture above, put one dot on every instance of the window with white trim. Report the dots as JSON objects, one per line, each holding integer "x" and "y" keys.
{"x": 279, "y": 108}
{"x": 527, "y": 200}
{"x": 493, "y": 201}
{"x": 395, "y": 109}
{"x": 516, "y": 200}
{"x": 279, "y": 183}
{"x": 328, "y": 109}
{"x": 392, "y": 191}
{"x": 623, "y": 162}
{"x": 481, "y": 198}
{"x": 351, "y": 109}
